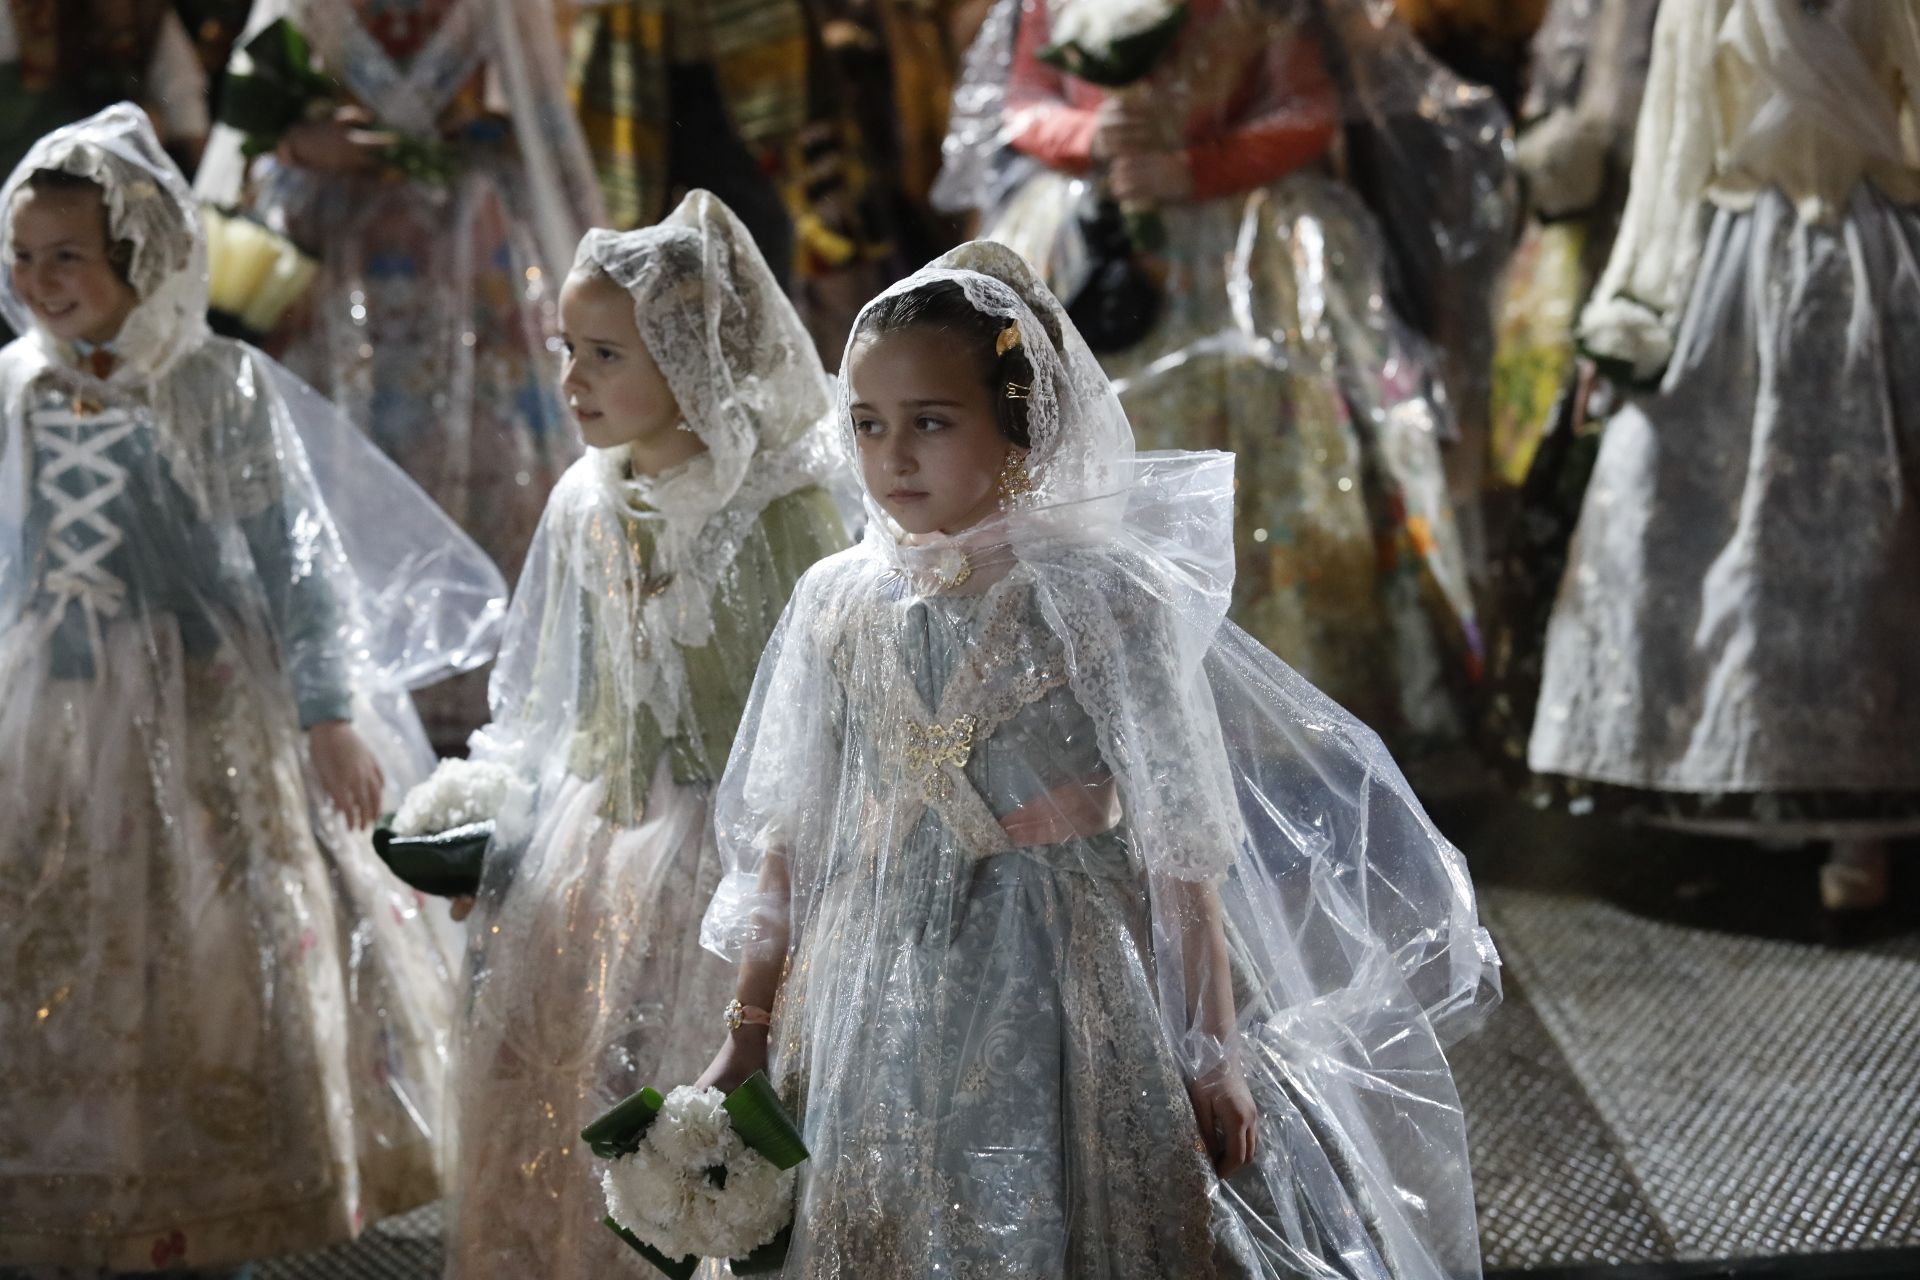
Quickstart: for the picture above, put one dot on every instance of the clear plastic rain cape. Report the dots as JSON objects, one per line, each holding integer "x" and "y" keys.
{"x": 629, "y": 655}
{"x": 1010, "y": 779}
{"x": 1350, "y": 199}
{"x": 224, "y": 1024}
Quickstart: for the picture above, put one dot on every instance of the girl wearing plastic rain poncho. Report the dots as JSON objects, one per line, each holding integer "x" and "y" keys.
{"x": 223, "y": 1028}
{"x": 1271, "y": 336}
{"x": 660, "y": 570}
{"x": 1033, "y": 859}
{"x": 1730, "y": 646}
{"x": 429, "y": 322}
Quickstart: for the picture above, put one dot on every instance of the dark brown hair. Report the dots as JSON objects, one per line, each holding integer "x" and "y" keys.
{"x": 119, "y": 252}
{"x": 943, "y": 305}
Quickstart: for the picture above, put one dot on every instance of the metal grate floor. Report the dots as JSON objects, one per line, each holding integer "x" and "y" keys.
{"x": 1761, "y": 1097}
{"x": 402, "y": 1248}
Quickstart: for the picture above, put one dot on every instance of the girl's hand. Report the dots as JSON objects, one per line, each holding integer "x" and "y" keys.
{"x": 1156, "y": 178}
{"x": 744, "y": 1053}
{"x": 348, "y": 772}
{"x": 1224, "y": 1108}
{"x": 340, "y": 145}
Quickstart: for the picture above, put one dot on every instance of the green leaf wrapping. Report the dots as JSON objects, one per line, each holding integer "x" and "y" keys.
{"x": 1124, "y": 62}
{"x": 681, "y": 1270}
{"x": 764, "y": 1124}
{"x": 446, "y": 864}
{"x": 276, "y": 90}
{"x": 769, "y": 1257}
{"x": 620, "y": 1131}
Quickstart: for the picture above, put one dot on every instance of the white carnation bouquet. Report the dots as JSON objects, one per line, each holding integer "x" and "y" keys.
{"x": 439, "y": 838}
{"x": 700, "y": 1174}
{"x": 457, "y": 794}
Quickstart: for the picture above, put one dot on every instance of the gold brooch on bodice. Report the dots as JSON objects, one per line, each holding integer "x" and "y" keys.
{"x": 931, "y": 749}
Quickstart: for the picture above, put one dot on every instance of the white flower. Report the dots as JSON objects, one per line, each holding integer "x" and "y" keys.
{"x": 1620, "y": 328}
{"x": 666, "y": 1194}
{"x": 458, "y": 794}
{"x": 1097, "y": 25}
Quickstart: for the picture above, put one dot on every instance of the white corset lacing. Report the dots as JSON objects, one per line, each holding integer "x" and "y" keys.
{"x": 70, "y": 441}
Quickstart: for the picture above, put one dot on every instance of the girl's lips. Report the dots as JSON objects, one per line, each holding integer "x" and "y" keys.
{"x": 905, "y": 495}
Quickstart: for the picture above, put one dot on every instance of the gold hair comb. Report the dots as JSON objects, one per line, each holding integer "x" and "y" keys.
{"x": 1017, "y": 390}
{"x": 1009, "y": 338}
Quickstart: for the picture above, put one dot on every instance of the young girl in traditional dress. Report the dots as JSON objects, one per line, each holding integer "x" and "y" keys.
{"x": 1084, "y": 937}
{"x": 661, "y": 568}
{"x": 223, "y": 1028}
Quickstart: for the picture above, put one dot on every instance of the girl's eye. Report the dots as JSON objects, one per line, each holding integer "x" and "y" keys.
{"x": 568, "y": 348}
{"x": 605, "y": 353}
{"x": 929, "y": 424}
{"x": 865, "y": 427}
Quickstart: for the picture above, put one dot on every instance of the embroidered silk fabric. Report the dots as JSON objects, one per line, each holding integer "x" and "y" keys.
{"x": 630, "y": 651}
{"x": 1276, "y": 339}
{"x": 224, "y": 1024}
{"x": 983, "y": 1031}
{"x": 429, "y": 323}
{"x": 1738, "y": 606}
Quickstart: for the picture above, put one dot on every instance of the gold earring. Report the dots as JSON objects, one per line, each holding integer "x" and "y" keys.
{"x": 1017, "y": 390}
{"x": 1014, "y": 481}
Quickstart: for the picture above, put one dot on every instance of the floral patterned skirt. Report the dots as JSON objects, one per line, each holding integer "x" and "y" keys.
{"x": 588, "y": 984}
{"x": 1002, "y": 1099}
{"x": 1276, "y": 344}
{"x": 223, "y": 1021}
{"x": 1732, "y": 640}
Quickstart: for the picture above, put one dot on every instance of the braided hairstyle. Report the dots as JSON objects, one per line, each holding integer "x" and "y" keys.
{"x": 942, "y": 305}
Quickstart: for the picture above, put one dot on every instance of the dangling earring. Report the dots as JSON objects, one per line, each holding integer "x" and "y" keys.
{"x": 1014, "y": 481}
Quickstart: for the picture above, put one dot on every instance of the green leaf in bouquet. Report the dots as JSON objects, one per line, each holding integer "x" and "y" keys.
{"x": 768, "y": 1258}
{"x": 274, "y": 87}
{"x": 619, "y": 1132}
{"x": 1127, "y": 60}
{"x": 681, "y": 1270}
{"x": 446, "y": 864}
{"x": 763, "y": 1123}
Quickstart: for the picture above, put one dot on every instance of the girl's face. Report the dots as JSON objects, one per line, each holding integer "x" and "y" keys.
{"x": 60, "y": 266}
{"x": 931, "y": 451}
{"x": 617, "y": 393}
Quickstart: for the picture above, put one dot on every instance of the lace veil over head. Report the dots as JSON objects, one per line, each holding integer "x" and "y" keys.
{"x": 730, "y": 346}
{"x": 148, "y": 208}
